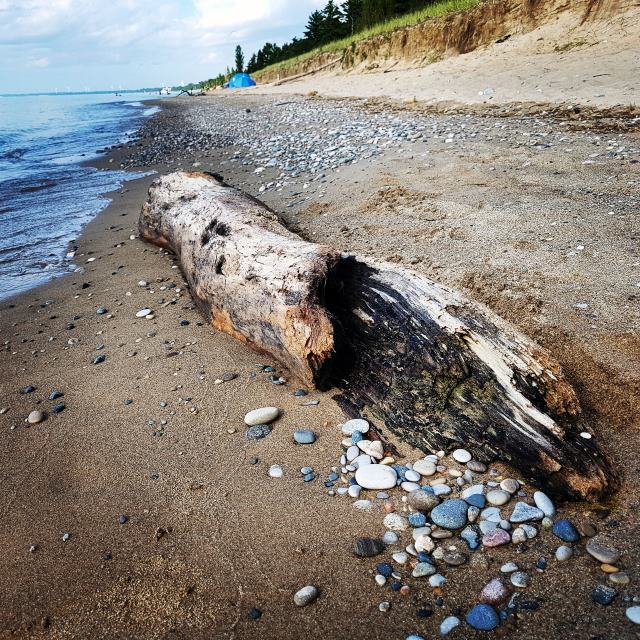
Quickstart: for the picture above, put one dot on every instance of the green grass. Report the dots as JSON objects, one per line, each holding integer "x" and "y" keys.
{"x": 436, "y": 10}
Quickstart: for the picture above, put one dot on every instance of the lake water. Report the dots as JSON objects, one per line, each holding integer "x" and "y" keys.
{"x": 46, "y": 196}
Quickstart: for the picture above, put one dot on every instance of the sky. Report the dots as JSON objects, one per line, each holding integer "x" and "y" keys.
{"x": 49, "y": 45}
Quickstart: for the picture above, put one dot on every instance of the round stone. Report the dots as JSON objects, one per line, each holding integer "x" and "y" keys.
{"x": 495, "y": 592}
{"x": 604, "y": 594}
{"x": 509, "y": 567}
{"x": 264, "y": 415}
{"x": 304, "y": 436}
{"x": 305, "y": 596}
{"x": 620, "y": 578}
{"x": 602, "y": 552}
{"x": 483, "y": 617}
{"x": 563, "y": 553}
{"x": 424, "y": 467}
{"x": 394, "y": 522}
{"x": 400, "y": 557}
{"x": 510, "y": 485}
{"x": 461, "y": 455}
{"x": 543, "y": 502}
{"x": 368, "y": 547}
{"x": 143, "y": 313}
{"x": 448, "y": 625}
{"x": 409, "y": 487}
{"x": 376, "y": 476}
{"x": 519, "y": 579}
{"x": 412, "y": 476}
{"x": 565, "y": 530}
{"x": 390, "y": 537}
{"x": 35, "y": 416}
{"x": 422, "y": 500}
{"x": 275, "y": 471}
{"x": 633, "y": 613}
{"x": 476, "y": 466}
{"x": 477, "y": 500}
{"x": 496, "y": 538}
{"x": 355, "y": 425}
{"x": 450, "y": 514}
{"x": 518, "y": 536}
{"x": 258, "y": 431}
{"x": 498, "y": 497}
{"x": 423, "y": 569}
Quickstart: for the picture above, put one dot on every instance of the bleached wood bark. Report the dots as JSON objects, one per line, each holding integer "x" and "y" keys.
{"x": 251, "y": 277}
{"x": 439, "y": 370}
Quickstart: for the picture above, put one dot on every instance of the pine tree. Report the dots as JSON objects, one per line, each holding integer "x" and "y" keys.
{"x": 352, "y": 12}
{"x": 313, "y": 30}
{"x": 239, "y": 60}
{"x": 332, "y": 25}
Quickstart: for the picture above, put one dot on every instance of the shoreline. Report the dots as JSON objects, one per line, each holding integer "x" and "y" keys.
{"x": 207, "y": 535}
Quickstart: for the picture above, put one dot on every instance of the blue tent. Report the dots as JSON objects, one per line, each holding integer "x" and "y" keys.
{"x": 241, "y": 80}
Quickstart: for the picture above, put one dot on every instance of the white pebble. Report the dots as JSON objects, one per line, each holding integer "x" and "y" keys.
{"x": 305, "y": 596}
{"x": 461, "y": 455}
{"x": 264, "y": 415}
{"x": 275, "y": 471}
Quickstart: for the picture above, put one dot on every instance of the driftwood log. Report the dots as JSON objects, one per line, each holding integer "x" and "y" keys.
{"x": 439, "y": 370}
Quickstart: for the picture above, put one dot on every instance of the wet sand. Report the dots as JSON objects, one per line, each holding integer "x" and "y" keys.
{"x": 209, "y": 535}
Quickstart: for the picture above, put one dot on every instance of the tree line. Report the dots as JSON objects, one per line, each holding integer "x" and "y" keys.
{"x": 334, "y": 22}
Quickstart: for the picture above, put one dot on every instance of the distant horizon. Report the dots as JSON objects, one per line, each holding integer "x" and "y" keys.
{"x": 79, "y": 93}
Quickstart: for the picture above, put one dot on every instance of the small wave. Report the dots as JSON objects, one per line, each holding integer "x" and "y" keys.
{"x": 45, "y": 184}
{"x": 134, "y": 104}
{"x": 150, "y": 111}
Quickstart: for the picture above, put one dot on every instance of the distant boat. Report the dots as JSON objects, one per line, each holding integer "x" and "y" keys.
{"x": 165, "y": 91}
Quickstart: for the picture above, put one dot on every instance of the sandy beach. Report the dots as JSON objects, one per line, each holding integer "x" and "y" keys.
{"x": 173, "y": 529}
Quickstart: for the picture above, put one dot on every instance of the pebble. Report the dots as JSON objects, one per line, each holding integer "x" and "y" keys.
{"x": 518, "y": 536}
{"x": 400, "y": 557}
{"x": 423, "y": 569}
{"x": 436, "y": 580}
{"x": 454, "y": 558}
{"x": 633, "y": 613}
{"x": 35, "y": 417}
{"x": 54, "y": 395}
{"x": 417, "y": 519}
{"x": 305, "y": 596}
{"x": 498, "y": 497}
{"x": 394, "y": 522}
{"x": 390, "y": 537}
{"x": 355, "y": 425}
{"x": 483, "y": 617}
{"x": 450, "y": 514}
{"x": 509, "y": 567}
{"x": 563, "y": 553}
{"x": 448, "y": 625}
{"x": 619, "y": 578}
{"x": 143, "y": 313}
{"x": 384, "y": 606}
{"x": 524, "y": 512}
{"x": 275, "y": 471}
{"x": 476, "y": 466}
{"x": 412, "y": 476}
{"x": 565, "y": 530}
{"x": 422, "y": 500}
{"x": 477, "y": 500}
{"x": 304, "y": 436}
{"x": 495, "y": 592}
{"x": 519, "y": 579}
{"x": 510, "y": 485}
{"x": 265, "y": 415}
{"x": 603, "y": 594}
{"x": 461, "y": 455}
{"x": 258, "y": 431}
{"x": 496, "y": 538}
{"x": 368, "y": 547}
{"x": 424, "y": 467}
{"x": 602, "y": 552}
{"x": 376, "y": 476}
{"x": 543, "y": 502}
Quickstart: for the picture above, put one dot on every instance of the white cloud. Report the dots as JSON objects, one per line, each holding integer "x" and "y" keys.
{"x": 194, "y": 36}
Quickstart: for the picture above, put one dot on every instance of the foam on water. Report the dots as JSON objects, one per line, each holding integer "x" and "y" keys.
{"x": 46, "y": 195}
